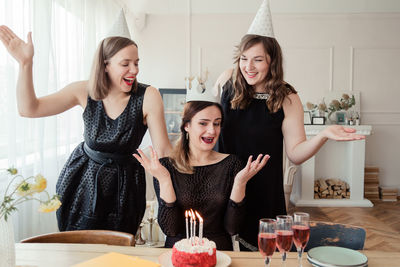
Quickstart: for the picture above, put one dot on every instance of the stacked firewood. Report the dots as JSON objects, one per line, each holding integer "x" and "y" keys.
{"x": 331, "y": 189}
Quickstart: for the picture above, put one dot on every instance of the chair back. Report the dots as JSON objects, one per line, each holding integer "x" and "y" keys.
{"x": 107, "y": 237}
{"x": 335, "y": 234}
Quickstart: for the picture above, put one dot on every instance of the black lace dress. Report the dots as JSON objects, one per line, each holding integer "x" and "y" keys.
{"x": 208, "y": 191}
{"x": 254, "y": 131}
{"x": 105, "y": 195}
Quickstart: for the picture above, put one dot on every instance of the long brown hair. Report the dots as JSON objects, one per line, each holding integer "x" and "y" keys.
{"x": 275, "y": 86}
{"x": 99, "y": 82}
{"x": 180, "y": 157}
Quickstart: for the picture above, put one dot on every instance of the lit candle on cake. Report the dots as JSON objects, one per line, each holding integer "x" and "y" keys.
{"x": 200, "y": 227}
{"x": 194, "y": 226}
{"x": 187, "y": 227}
{"x": 191, "y": 225}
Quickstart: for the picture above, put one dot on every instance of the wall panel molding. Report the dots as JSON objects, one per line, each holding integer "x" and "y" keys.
{"x": 351, "y": 77}
{"x": 330, "y": 51}
{"x": 380, "y": 112}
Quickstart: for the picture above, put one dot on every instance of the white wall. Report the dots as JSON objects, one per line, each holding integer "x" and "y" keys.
{"x": 337, "y": 45}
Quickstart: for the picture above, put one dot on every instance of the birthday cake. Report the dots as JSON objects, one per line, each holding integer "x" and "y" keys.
{"x": 193, "y": 252}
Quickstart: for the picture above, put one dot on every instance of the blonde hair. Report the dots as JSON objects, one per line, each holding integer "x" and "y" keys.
{"x": 99, "y": 82}
{"x": 180, "y": 157}
{"x": 275, "y": 86}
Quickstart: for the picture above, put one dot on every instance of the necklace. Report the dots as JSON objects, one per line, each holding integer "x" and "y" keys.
{"x": 264, "y": 96}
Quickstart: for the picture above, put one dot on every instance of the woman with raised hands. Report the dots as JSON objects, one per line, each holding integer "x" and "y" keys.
{"x": 101, "y": 185}
{"x": 199, "y": 178}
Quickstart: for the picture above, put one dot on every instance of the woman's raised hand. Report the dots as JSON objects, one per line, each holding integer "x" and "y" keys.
{"x": 21, "y": 51}
{"x": 251, "y": 168}
{"x": 153, "y": 165}
{"x": 242, "y": 177}
{"x": 340, "y": 133}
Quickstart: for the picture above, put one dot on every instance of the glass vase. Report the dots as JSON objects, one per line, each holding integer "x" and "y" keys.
{"x": 7, "y": 245}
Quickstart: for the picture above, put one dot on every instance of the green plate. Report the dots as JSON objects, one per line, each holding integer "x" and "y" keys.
{"x": 328, "y": 256}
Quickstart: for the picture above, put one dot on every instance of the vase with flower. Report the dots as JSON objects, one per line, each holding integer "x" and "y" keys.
{"x": 341, "y": 106}
{"x": 336, "y": 110}
{"x": 20, "y": 190}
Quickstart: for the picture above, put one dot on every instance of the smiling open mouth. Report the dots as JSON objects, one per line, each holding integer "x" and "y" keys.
{"x": 208, "y": 140}
{"x": 129, "y": 81}
{"x": 251, "y": 75}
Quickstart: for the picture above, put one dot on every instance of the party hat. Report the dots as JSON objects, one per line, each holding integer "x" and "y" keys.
{"x": 196, "y": 90}
{"x": 120, "y": 27}
{"x": 262, "y": 23}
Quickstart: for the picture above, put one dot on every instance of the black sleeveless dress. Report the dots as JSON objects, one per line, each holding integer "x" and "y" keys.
{"x": 254, "y": 131}
{"x": 108, "y": 195}
{"x": 207, "y": 191}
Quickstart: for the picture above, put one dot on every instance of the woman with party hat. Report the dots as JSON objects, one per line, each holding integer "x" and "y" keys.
{"x": 199, "y": 178}
{"x": 261, "y": 112}
{"x": 101, "y": 186}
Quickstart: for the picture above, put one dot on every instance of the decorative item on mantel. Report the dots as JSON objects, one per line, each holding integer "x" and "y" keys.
{"x": 21, "y": 192}
{"x": 337, "y": 112}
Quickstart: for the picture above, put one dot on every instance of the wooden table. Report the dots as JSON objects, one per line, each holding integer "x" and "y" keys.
{"x": 60, "y": 255}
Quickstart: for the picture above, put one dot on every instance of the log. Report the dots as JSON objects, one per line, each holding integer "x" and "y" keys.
{"x": 323, "y": 185}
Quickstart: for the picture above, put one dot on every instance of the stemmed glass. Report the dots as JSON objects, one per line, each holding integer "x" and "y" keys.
{"x": 301, "y": 231}
{"x": 267, "y": 239}
{"x": 284, "y": 235}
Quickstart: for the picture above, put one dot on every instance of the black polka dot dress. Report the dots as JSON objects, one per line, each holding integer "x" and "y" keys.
{"x": 111, "y": 195}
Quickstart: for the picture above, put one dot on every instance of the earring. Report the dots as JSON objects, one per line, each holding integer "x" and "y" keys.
{"x": 187, "y": 135}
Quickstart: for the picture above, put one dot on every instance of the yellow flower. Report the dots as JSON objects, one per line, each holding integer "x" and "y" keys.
{"x": 40, "y": 185}
{"x": 24, "y": 189}
{"x": 51, "y": 205}
{"x": 12, "y": 171}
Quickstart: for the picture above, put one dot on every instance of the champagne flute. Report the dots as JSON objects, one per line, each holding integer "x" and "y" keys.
{"x": 267, "y": 239}
{"x": 284, "y": 235}
{"x": 301, "y": 232}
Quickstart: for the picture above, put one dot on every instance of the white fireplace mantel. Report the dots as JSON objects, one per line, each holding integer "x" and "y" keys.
{"x": 343, "y": 160}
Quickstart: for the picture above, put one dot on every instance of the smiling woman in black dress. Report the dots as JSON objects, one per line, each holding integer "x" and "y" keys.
{"x": 261, "y": 112}
{"x": 101, "y": 185}
{"x": 199, "y": 178}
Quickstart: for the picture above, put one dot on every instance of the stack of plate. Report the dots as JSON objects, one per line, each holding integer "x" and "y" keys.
{"x": 336, "y": 257}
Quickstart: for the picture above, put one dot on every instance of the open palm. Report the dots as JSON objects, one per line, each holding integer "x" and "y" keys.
{"x": 252, "y": 168}
{"x": 20, "y": 50}
{"x": 152, "y": 165}
{"x": 340, "y": 133}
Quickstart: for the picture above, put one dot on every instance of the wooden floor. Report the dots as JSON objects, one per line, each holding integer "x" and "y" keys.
{"x": 381, "y": 222}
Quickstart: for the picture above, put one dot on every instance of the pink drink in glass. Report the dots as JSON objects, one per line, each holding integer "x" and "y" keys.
{"x": 301, "y": 234}
{"x": 284, "y": 240}
{"x": 267, "y": 243}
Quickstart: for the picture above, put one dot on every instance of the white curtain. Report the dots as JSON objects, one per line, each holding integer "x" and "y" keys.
{"x": 65, "y": 36}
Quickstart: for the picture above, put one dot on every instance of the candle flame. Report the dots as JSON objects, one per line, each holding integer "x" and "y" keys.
{"x": 186, "y": 213}
{"x": 198, "y": 216}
